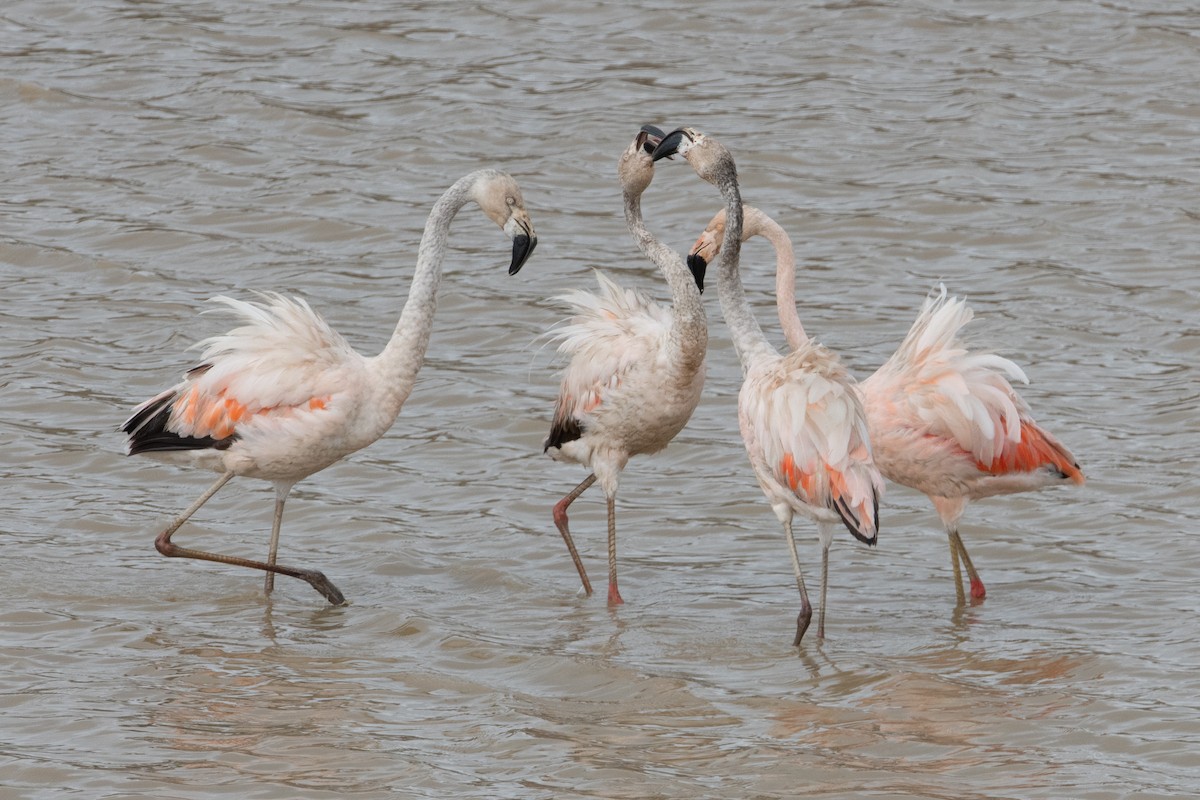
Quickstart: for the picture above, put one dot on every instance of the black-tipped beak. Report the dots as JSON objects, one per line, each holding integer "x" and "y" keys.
{"x": 522, "y": 249}
{"x": 698, "y": 266}
{"x": 653, "y": 136}
{"x": 669, "y": 144}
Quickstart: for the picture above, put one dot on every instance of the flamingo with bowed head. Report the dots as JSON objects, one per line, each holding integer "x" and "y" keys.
{"x": 284, "y": 395}
{"x": 636, "y": 368}
{"x": 944, "y": 420}
{"x": 801, "y": 419}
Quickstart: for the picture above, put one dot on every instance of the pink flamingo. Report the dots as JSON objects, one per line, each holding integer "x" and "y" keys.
{"x": 284, "y": 395}
{"x": 801, "y": 418}
{"x": 636, "y": 368}
{"x": 944, "y": 420}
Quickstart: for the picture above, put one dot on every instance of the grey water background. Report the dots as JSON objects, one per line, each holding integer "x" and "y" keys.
{"x": 1039, "y": 158}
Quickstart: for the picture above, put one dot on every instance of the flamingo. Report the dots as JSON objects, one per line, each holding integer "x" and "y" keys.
{"x": 801, "y": 419}
{"x": 284, "y": 395}
{"x": 944, "y": 420}
{"x": 636, "y": 368}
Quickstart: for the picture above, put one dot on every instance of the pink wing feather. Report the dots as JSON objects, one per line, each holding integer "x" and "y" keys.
{"x": 808, "y": 424}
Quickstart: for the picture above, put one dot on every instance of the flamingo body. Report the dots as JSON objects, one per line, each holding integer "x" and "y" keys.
{"x": 948, "y": 422}
{"x": 278, "y": 398}
{"x": 620, "y": 394}
{"x": 806, "y": 435}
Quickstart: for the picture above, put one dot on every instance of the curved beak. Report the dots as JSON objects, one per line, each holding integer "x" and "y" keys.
{"x": 651, "y": 138}
{"x": 698, "y": 266}
{"x": 670, "y": 144}
{"x": 520, "y": 228}
{"x": 710, "y": 243}
{"x": 523, "y": 246}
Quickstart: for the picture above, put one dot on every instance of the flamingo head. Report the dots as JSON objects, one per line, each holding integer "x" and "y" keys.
{"x": 707, "y": 156}
{"x": 680, "y": 140}
{"x": 707, "y": 248}
{"x": 636, "y": 166}
{"x": 498, "y": 194}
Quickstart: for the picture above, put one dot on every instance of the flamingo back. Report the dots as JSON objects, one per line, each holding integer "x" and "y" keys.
{"x": 283, "y": 360}
{"x": 805, "y": 426}
{"x": 935, "y": 385}
{"x": 611, "y": 333}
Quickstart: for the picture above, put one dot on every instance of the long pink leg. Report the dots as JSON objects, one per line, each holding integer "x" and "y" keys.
{"x": 614, "y": 596}
{"x": 560, "y": 521}
{"x": 169, "y": 549}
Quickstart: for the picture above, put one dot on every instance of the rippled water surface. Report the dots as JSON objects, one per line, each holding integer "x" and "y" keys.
{"x": 1038, "y": 157}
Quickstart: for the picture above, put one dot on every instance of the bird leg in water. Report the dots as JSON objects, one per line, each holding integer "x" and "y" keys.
{"x": 169, "y": 549}
{"x": 269, "y": 584}
{"x": 560, "y": 521}
{"x": 824, "y": 589}
{"x": 805, "y": 615}
{"x": 614, "y": 596}
{"x": 954, "y": 562}
{"x": 978, "y": 592}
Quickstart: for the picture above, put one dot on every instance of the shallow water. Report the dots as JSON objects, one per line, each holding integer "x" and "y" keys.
{"x": 1039, "y": 158}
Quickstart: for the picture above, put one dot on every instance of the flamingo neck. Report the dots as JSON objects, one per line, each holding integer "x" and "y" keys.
{"x": 689, "y": 326}
{"x": 748, "y": 337}
{"x": 401, "y": 359}
{"x": 785, "y": 279}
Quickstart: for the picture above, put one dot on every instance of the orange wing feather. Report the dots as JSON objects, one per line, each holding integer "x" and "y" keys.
{"x": 217, "y": 415}
{"x": 1035, "y": 450}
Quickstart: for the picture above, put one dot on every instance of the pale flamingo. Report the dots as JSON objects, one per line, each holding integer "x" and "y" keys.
{"x": 636, "y": 368}
{"x": 944, "y": 420}
{"x": 284, "y": 395}
{"x": 801, "y": 418}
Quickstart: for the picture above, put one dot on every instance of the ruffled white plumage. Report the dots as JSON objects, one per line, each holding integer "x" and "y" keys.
{"x": 808, "y": 430}
{"x": 612, "y": 333}
{"x": 283, "y": 354}
{"x": 935, "y": 385}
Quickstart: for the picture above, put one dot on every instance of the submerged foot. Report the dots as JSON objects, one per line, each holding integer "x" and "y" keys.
{"x": 802, "y": 621}
{"x": 318, "y": 581}
{"x": 977, "y": 590}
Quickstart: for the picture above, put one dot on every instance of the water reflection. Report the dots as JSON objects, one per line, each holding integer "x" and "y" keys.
{"x": 224, "y": 714}
{"x": 944, "y": 713}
